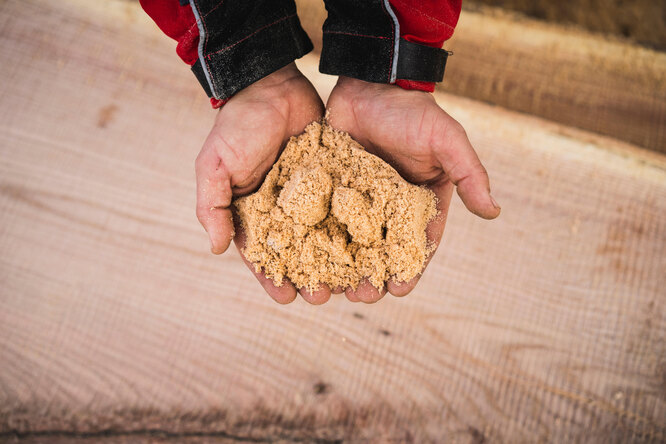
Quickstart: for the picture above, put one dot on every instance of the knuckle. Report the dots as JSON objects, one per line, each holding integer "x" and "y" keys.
{"x": 456, "y": 172}
{"x": 202, "y": 213}
{"x": 445, "y": 132}
{"x": 475, "y": 170}
{"x": 199, "y": 161}
{"x": 228, "y": 149}
{"x": 456, "y": 130}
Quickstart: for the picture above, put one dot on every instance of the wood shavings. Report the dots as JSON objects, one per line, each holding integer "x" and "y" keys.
{"x": 329, "y": 212}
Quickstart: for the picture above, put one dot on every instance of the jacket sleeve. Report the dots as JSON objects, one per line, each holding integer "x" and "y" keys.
{"x": 389, "y": 41}
{"x": 231, "y": 44}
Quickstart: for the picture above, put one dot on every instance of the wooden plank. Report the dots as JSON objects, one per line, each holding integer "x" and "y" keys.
{"x": 643, "y": 21}
{"x": 569, "y": 76}
{"x": 116, "y": 324}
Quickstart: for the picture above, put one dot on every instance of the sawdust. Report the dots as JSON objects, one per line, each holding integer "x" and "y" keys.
{"x": 329, "y": 212}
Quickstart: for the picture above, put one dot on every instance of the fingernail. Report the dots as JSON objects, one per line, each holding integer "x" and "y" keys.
{"x": 494, "y": 202}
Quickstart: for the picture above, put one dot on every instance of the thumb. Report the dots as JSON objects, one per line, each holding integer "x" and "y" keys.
{"x": 214, "y": 200}
{"x": 459, "y": 161}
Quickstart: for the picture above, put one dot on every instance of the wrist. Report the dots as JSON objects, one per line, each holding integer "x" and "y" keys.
{"x": 351, "y": 83}
{"x": 276, "y": 84}
{"x": 279, "y": 77}
{"x": 355, "y": 86}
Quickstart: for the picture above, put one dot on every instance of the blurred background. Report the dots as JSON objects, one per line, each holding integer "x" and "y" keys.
{"x": 641, "y": 21}
{"x": 597, "y": 65}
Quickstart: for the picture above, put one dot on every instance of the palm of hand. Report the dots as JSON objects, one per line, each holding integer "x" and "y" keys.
{"x": 427, "y": 146}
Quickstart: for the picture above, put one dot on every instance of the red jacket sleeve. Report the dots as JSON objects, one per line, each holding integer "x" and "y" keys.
{"x": 427, "y": 22}
{"x": 178, "y": 22}
{"x": 424, "y": 22}
{"x": 230, "y": 44}
{"x": 388, "y": 41}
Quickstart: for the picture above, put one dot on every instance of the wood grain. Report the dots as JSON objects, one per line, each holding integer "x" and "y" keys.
{"x": 116, "y": 324}
{"x": 560, "y": 73}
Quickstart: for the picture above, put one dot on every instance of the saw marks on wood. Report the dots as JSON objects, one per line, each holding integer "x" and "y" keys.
{"x": 116, "y": 323}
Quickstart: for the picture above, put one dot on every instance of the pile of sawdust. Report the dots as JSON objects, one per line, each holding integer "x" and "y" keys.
{"x": 329, "y": 212}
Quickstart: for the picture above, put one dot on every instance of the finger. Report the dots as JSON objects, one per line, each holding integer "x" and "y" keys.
{"x": 213, "y": 200}
{"x": 337, "y": 290}
{"x": 284, "y": 294}
{"x": 443, "y": 189}
{"x": 351, "y": 296}
{"x": 318, "y": 297}
{"x": 366, "y": 292}
{"x": 400, "y": 289}
{"x": 455, "y": 153}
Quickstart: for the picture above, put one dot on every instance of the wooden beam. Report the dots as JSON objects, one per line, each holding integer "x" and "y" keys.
{"x": 117, "y": 325}
{"x": 642, "y": 21}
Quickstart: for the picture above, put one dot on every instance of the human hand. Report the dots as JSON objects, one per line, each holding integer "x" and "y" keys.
{"x": 246, "y": 139}
{"x": 423, "y": 143}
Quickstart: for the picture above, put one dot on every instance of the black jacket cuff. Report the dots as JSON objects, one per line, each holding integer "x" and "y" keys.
{"x": 362, "y": 40}
{"x": 369, "y": 59}
{"x": 242, "y": 42}
{"x": 366, "y": 58}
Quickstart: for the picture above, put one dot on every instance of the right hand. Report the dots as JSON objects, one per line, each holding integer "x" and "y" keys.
{"x": 248, "y": 135}
{"x": 427, "y": 146}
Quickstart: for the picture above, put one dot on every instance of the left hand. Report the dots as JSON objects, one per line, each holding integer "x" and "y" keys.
{"x": 249, "y": 132}
{"x": 423, "y": 143}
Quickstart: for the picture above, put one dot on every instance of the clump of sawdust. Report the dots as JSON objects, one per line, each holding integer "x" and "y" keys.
{"x": 329, "y": 212}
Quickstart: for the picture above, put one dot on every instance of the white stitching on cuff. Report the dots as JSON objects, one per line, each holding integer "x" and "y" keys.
{"x": 396, "y": 43}
{"x": 202, "y": 39}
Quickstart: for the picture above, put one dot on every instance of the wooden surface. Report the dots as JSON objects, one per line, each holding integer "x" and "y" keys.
{"x": 569, "y": 76}
{"x": 643, "y": 21}
{"x": 117, "y": 325}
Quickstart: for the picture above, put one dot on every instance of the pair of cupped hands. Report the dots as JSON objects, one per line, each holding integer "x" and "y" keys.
{"x": 405, "y": 128}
